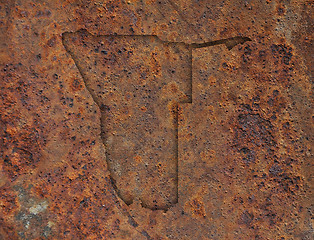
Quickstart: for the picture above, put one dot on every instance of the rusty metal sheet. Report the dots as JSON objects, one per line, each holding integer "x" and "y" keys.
{"x": 156, "y": 119}
{"x": 137, "y": 82}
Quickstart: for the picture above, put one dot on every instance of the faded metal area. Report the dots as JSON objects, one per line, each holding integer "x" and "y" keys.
{"x": 233, "y": 157}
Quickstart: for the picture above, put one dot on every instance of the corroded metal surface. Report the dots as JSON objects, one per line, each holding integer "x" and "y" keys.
{"x": 137, "y": 82}
{"x": 244, "y": 134}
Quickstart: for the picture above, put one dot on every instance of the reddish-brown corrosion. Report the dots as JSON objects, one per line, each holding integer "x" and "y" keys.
{"x": 137, "y": 82}
{"x": 244, "y": 156}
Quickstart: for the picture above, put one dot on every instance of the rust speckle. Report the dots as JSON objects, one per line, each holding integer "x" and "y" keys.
{"x": 51, "y": 42}
{"x": 197, "y": 208}
{"x": 76, "y": 84}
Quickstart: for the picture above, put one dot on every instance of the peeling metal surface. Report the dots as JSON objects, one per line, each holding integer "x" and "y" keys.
{"x": 244, "y": 140}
